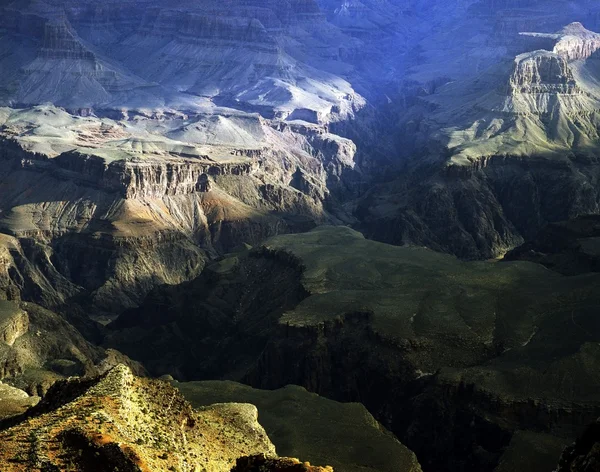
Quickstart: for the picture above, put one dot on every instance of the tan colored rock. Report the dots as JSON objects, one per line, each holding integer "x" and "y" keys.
{"x": 120, "y": 421}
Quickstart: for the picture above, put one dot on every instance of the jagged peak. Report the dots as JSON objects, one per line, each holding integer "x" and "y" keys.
{"x": 576, "y": 28}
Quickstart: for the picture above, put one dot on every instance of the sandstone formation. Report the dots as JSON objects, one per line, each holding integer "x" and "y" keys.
{"x": 159, "y": 157}
{"x": 113, "y": 220}
{"x": 497, "y": 156}
{"x": 542, "y": 72}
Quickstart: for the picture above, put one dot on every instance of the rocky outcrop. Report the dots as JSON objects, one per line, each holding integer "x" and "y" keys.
{"x": 39, "y": 347}
{"x": 60, "y": 43}
{"x": 14, "y": 402}
{"x": 542, "y": 72}
{"x": 261, "y": 463}
{"x": 120, "y": 421}
{"x": 576, "y": 42}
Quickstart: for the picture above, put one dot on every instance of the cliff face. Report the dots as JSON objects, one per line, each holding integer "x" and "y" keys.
{"x": 577, "y": 43}
{"x": 39, "y": 347}
{"x": 60, "y": 43}
{"x": 476, "y": 205}
{"x": 490, "y": 160}
{"x": 542, "y": 72}
{"x": 117, "y": 213}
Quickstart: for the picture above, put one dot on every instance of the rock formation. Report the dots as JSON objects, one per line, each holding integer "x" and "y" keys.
{"x": 149, "y": 148}
{"x": 14, "y": 402}
{"x": 118, "y": 421}
{"x": 259, "y": 463}
{"x": 542, "y": 72}
{"x": 487, "y": 156}
{"x": 170, "y": 205}
{"x": 435, "y": 348}
{"x": 86, "y": 57}
{"x": 39, "y": 347}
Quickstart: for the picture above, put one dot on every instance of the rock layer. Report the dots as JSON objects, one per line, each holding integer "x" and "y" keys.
{"x": 109, "y": 197}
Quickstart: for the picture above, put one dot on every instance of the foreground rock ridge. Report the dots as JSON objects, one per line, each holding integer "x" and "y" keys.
{"x": 121, "y": 422}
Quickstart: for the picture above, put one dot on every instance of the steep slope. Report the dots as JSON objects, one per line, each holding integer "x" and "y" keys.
{"x": 583, "y": 454}
{"x": 38, "y": 347}
{"x": 437, "y": 349}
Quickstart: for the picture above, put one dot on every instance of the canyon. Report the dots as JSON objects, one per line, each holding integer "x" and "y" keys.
{"x": 393, "y": 203}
